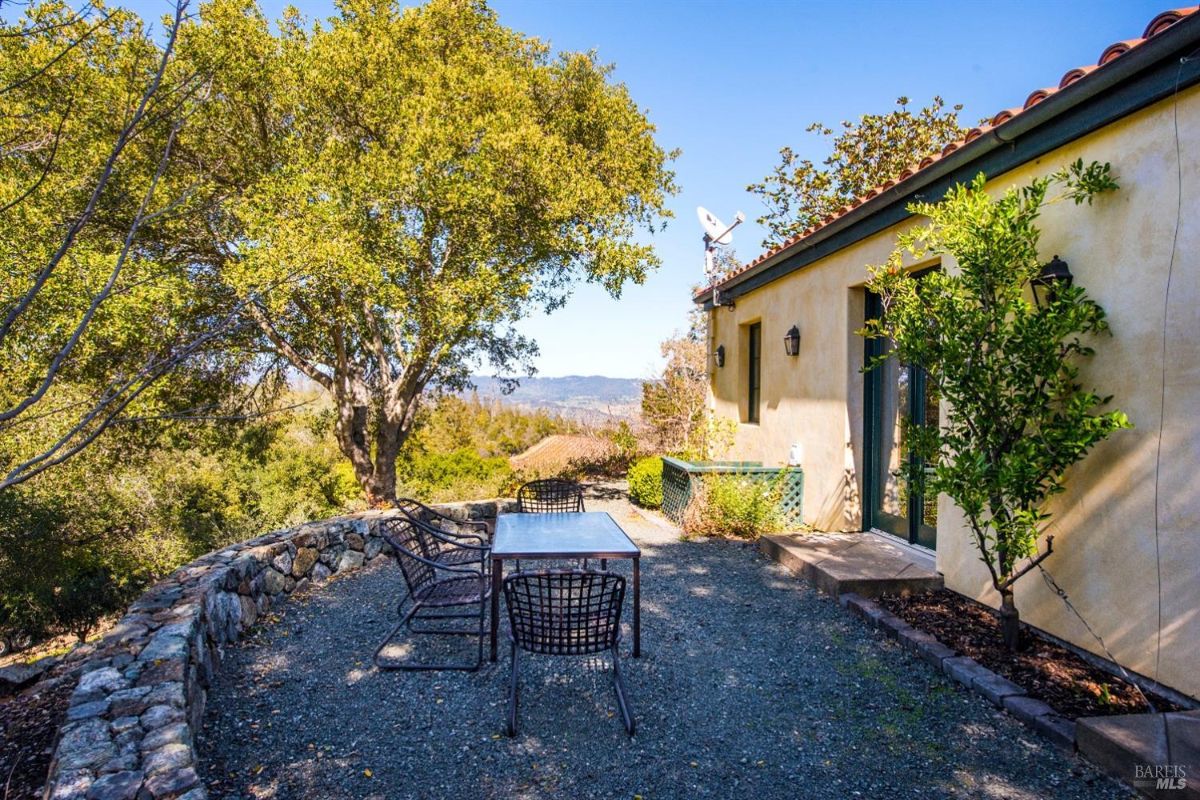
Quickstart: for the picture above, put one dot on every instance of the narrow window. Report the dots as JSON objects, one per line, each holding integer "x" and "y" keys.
{"x": 755, "y": 378}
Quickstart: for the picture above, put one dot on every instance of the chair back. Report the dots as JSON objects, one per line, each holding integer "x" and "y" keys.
{"x": 413, "y": 549}
{"x": 548, "y": 496}
{"x": 413, "y": 508}
{"x": 565, "y": 612}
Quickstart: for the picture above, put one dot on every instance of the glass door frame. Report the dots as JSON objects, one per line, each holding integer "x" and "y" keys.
{"x": 913, "y": 528}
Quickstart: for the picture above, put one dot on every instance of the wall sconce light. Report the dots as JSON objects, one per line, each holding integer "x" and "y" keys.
{"x": 791, "y": 342}
{"x": 720, "y": 355}
{"x": 1052, "y": 277}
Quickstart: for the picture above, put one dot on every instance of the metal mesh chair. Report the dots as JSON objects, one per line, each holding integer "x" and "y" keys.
{"x": 476, "y": 533}
{"x": 549, "y": 496}
{"x": 442, "y": 574}
{"x": 446, "y": 524}
{"x": 565, "y": 612}
{"x": 552, "y": 496}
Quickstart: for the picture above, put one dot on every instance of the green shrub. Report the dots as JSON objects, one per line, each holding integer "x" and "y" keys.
{"x": 734, "y": 505}
{"x": 645, "y": 482}
{"x": 460, "y": 475}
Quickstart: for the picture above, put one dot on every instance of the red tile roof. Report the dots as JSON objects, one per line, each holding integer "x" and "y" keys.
{"x": 1114, "y": 51}
{"x": 557, "y": 453}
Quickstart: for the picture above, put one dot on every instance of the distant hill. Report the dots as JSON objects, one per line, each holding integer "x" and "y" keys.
{"x": 576, "y": 396}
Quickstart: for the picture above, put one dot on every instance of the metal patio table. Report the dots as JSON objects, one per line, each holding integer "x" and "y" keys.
{"x": 566, "y": 535}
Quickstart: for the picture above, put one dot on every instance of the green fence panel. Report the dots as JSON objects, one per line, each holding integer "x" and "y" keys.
{"x": 679, "y": 478}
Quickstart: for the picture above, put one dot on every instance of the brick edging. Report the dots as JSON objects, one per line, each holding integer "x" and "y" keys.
{"x": 129, "y": 730}
{"x": 999, "y": 691}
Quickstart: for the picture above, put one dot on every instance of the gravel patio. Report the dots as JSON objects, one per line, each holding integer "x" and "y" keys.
{"x": 751, "y": 684}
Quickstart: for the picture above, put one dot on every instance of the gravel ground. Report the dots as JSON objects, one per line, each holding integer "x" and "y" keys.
{"x": 751, "y": 684}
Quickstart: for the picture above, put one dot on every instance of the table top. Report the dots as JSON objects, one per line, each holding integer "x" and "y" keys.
{"x": 573, "y": 534}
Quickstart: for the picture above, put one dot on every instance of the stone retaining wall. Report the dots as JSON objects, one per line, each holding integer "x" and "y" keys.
{"x": 141, "y": 691}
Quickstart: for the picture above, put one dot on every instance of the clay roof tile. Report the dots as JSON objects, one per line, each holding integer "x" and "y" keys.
{"x": 1117, "y": 49}
{"x": 1037, "y": 96}
{"x": 1165, "y": 20}
{"x": 1074, "y": 75}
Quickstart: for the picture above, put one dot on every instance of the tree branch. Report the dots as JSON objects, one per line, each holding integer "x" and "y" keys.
{"x": 61, "y": 356}
{"x": 106, "y": 173}
{"x": 285, "y": 348}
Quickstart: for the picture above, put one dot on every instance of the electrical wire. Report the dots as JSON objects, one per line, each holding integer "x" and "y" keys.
{"x": 1046, "y": 576}
{"x": 1162, "y": 403}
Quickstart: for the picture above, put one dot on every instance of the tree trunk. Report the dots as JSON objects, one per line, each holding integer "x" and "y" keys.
{"x": 1010, "y": 621}
{"x": 351, "y": 434}
{"x": 388, "y": 439}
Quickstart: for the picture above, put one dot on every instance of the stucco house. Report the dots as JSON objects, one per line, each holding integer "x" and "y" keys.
{"x": 1128, "y": 528}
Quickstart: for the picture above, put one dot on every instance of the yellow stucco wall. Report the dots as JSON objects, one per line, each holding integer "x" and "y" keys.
{"x": 1108, "y": 556}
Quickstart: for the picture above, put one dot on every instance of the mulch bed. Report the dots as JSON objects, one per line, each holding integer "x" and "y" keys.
{"x": 28, "y": 725}
{"x": 1047, "y": 671}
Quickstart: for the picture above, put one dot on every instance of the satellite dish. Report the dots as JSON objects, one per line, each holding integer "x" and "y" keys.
{"x": 717, "y": 231}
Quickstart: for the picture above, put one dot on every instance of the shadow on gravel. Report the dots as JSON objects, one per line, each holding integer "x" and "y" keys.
{"x": 750, "y": 685}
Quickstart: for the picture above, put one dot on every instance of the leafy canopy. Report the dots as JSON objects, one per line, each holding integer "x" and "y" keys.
{"x": 875, "y": 148}
{"x": 1017, "y": 414}
{"x": 396, "y": 188}
{"x": 98, "y": 325}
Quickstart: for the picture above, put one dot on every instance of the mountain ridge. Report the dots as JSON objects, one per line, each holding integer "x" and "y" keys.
{"x": 570, "y": 395}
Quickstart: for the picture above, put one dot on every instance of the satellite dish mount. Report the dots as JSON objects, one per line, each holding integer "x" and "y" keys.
{"x": 716, "y": 233}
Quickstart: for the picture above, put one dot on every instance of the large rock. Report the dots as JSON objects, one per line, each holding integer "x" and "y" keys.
{"x": 283, "y": 562}
{"x": 167, "y": 759}
{"x": 175, "y": 733}
{"x": 15, "y": 678}
{"x": 117, "y": 786}
{"x": 374, "y": 547}
{"x": 157, "y": 716}
{"x": 99, "y": 683}
{"x": 87, "y": 745}
{"x": 273, "y": 582}
{"x": 303, "y": 562}
{"x": 351, "y": 559}
{"x": 171, "y": 784}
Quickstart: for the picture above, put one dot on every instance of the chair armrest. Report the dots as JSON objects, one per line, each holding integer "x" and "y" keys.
{"x": 482, "y": 539}
{"x": 457, "y": 568}
{"x": 456, "y": 539}
{"x": 471, "y": 522}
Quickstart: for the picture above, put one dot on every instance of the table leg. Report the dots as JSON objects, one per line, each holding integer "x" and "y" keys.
{"x": 637, "y": 608}
{"x": 497, "y": 587}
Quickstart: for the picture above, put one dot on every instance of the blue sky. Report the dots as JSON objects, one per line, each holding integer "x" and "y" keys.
{"x": 730, "y": 83}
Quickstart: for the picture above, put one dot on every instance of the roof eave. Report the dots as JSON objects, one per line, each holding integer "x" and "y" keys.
{"x": 1149, "y": 52}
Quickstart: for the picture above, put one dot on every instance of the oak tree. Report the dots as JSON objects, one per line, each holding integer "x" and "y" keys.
{"x": 394, "y": 188}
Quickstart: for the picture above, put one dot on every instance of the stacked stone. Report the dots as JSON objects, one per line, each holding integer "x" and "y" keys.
{"x": 142, "y": 688}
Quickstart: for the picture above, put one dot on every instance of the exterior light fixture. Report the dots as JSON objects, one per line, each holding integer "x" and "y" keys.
{"x": 720, "y": 355}
{"x": 791, "y": 342}
{"x": 1054, "y": 276}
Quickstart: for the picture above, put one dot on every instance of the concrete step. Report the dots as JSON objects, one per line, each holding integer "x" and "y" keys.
{"x": 863, "y": 563}
{"x": 1157, "y": 754}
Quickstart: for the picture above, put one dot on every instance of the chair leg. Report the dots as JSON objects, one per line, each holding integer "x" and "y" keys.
{"x": 406, "y": 622}
{"x": 622, "y": 703}
{"x": 483, "y": 606}
{"x": 511, "y": 727}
